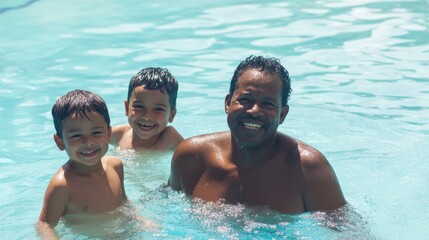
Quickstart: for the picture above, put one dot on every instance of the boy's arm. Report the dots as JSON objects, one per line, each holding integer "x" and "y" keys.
{"x": 45, "y": 231}
{"x": 117, "y": 132}
{"x": 119, "y": 168}
{"x": 54, "y": 205}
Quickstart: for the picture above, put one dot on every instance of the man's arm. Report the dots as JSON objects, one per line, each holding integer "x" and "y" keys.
{"x": 322, "y": 190}
{"x": 54, "y": 205}
{"x": 187, "y": 166}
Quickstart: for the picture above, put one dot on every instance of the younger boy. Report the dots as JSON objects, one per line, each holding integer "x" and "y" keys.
{"x": 150, "y": 106}
{"x": 89, "y": 182}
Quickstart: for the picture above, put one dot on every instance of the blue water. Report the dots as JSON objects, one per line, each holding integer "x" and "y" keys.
{"x": 360, "y": 95}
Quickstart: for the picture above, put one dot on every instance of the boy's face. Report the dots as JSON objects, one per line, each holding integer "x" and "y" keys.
{"x": 85, "y": 140}
{"x": 148, "y": 112}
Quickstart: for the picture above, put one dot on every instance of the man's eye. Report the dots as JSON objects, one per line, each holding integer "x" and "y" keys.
{"x": 74, "y": 136}
{"x": 137, "y": 106}
{"x": 243, "y": 100}
{"x": 160, "y": 109}
{"x": 270, "y": 104}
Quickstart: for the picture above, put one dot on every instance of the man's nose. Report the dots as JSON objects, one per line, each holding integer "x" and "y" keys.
{"x": 255, "y": 109}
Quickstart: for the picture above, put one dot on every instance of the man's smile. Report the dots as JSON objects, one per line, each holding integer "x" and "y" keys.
{"x": 250, "y": 125}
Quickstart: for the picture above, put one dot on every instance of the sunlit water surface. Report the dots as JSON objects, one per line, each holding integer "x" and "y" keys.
{"x": 360, "y": 84}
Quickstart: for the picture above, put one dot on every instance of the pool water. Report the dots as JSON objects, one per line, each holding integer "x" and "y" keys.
{"x": 360, "y": 95}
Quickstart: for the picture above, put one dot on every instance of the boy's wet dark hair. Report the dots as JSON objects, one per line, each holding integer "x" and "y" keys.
{"x": 155, "y": 79}
{"x": 78, "y": 102}
{"x": 266, "y": 65}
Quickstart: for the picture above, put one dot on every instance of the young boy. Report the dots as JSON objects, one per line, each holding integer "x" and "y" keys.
{"x": 150, "y": 106}
{"x": 89, "y": 182}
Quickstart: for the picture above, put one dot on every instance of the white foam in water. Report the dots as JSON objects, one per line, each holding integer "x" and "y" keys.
{"x": 6, "y": 160}
{"x": 122, "y": 28}
{"x": 111, "y": 52}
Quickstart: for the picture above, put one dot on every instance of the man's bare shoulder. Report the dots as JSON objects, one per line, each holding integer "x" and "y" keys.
{"x": 310, "y": 158}
{"x": 205, "y": 142}
{"x": 191, "y": 157}
{"x": 314, "y": 165}
{"x": 321, "y": 189}
{"x": 201, "y": 149}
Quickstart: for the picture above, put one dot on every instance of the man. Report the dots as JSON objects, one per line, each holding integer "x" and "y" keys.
{"x": 253, "y": 163}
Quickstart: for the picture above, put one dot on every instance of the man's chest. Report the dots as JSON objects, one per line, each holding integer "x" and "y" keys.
{"x": 278, "y": 190}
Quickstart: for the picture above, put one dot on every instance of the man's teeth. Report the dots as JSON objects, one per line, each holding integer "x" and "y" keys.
{"x": 252, "y": 125}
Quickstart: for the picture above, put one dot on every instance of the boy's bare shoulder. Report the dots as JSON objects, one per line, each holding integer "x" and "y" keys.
{"x": 117, "y": 133}
{"x": 170, "y": 130}
{"x": 172, "y": 136}
{"x": 59, "y": 178}
{"x": 112, "y": 161}
{"x": 58, "y": 183}
{"x": 120, "y": 128}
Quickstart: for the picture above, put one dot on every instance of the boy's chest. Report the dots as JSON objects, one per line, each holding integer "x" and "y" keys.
{"x": 94, "y": 195}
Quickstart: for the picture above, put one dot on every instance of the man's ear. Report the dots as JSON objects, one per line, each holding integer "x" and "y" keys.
{"x": 172, "y": 115}
{"x": 126, "y": 107}
{"x": 59, "y": 142}
{"x": 227, "y": 102}
{"x": 283, "y": 114}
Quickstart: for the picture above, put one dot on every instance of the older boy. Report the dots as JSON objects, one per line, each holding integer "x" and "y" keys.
{"x": 150, "y": 106}
{"x": 89, "y": 182}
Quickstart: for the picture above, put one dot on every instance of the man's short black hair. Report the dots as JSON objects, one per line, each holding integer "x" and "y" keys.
{"x": 266, "y": 65}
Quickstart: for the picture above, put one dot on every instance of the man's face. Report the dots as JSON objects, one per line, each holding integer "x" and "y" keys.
{"x": 148, "y": 112}
{"x": 255, "y": 108}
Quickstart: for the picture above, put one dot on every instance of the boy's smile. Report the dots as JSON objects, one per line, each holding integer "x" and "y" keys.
{"x": 146, "y": 126}
{"x": 89, "y": 153}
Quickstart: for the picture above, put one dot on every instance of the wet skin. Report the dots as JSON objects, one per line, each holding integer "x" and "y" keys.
{"x": 253, "y": 163}
{"x": 89, "y": 182}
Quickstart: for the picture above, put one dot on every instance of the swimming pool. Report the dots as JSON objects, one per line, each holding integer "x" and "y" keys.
{"x": 360, "y": 84}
